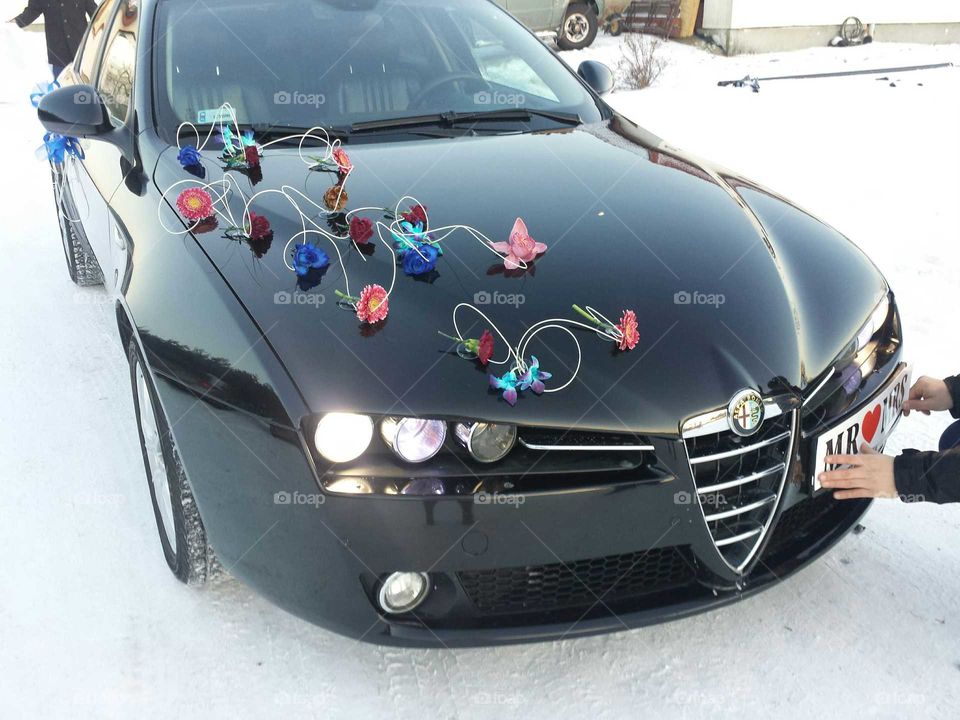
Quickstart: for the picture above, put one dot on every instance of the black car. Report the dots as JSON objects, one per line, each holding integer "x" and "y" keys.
{"x": 346, "y": 238}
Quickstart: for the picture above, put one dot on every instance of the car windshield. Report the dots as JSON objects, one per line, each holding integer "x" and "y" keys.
{"x": 337, "y": 63}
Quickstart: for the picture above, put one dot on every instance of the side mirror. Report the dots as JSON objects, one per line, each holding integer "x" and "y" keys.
{"x": 75, "y": 110}
{"x": 78, "y": 111}
{"x": 597, "y": 75}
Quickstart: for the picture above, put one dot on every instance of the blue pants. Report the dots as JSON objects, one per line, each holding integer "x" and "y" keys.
{"x": 57, "y": 69}
{"x": 951, "y": 437}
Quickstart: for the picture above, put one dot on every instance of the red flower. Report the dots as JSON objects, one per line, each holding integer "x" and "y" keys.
{"x": 373, "y": 305}
{"x": 361, "y": 230}
{"x": 629, "y": 334}
{"x": 252, "y": 155}
{"x": 416, "y": 215}
{"x": 195, "y": 204}
{"x": 485, "y": 347}
{"x": 259, "y": 226}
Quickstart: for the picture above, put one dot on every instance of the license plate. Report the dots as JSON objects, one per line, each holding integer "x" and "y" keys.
{"x": 872, "y": 424}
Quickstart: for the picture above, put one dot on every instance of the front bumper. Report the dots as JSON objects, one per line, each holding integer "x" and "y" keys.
{"x": 321, "y": 556}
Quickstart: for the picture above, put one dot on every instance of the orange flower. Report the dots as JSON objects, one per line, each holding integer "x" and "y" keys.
{"x": 335, "y": 198}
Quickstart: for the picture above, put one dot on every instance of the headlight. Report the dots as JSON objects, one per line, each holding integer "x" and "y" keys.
{"x": 342, "y": 437}
{"x": 413, "y": 439}
{"x": 486, "y": 442}
{"x": 877, "y": 318}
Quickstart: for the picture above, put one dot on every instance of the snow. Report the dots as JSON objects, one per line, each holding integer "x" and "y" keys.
{"x": 92, "y": 624}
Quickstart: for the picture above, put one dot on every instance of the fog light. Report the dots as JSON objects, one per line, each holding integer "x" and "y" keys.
{"x": 403, "y": 591}
{"x": 413, "y": 439}
{"x": 342, "y": 437}
{"x": 486, "y": 442}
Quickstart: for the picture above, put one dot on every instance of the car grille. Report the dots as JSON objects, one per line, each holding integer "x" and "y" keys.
{"x": 536, "y": 438}
{"x": 582, "y": 583}
{"x": 808, "y": 517}
{"x": 739, "y": 481}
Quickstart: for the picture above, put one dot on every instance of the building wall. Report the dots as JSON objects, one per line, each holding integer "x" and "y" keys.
{"x": 727, "y": 14}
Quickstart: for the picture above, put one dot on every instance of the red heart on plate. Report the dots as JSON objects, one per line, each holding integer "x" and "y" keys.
{"x": 871, "y": 421}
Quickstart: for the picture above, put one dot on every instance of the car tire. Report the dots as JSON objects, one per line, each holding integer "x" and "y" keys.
{"x": 183, "y": 538}
{"x": 81, "y": 263}
{"x": 579, "y": 28}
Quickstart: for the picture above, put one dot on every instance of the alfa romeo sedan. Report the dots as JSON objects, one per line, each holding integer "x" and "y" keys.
{"x": 430, "y": 346}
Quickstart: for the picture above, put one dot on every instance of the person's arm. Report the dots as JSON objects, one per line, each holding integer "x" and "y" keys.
{"x": 31, "y": 12}
{"x": 953, "y": 385}
{"x": 928, "y": 476}
{"x": 90, "y": 7}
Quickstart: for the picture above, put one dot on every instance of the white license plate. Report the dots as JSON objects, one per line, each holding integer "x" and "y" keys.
{"x": 872, "y": 424}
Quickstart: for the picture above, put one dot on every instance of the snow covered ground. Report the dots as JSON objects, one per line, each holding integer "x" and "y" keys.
{"x": 93, "y": 625}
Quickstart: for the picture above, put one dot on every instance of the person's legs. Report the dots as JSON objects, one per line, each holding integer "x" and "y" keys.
{"x": 950, "y": 438}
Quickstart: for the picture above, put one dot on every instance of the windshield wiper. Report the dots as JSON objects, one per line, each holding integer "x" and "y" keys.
{"x": 271, "y": 132}
{"x": 450, "y": 119}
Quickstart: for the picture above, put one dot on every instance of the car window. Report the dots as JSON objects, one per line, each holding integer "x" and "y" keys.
{"x": 91, "y": 43}
{"x": 115, "y": 82}
{"x": 343, "y": 62}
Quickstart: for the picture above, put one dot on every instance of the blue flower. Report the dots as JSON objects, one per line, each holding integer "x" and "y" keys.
{"x": 307, "y": 257}
{"x": 533, "y": 378}
{"x": 247, "y": 138}
{"x": 508, "y": 383}
{"x": 225, "y": 136}
{"x": 419, "y": 260}
{"x": 189, "y": 156}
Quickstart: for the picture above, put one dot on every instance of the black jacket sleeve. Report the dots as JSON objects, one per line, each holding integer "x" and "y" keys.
{"x": 953, "y": 385}
{"x": 90, "y": 7}
{"x": 31, "y": 12}
{"x": 928, "y": 476}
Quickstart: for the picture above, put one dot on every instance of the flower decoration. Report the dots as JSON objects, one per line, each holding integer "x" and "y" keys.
{"x": 625, "y": 333}
{"x": 627, "y": 327}
{"x": 508, "y": 383}
{"x": 372, "y": 305}
{"x": 239, "y": 153}
{"x": 195, "y": 204}
{"x": 189, "y": 157}
{"x": 206, "y": 225}
{"x": 520, "y": 249}
{"x": 259, "y": 227}
{"x": 57, "y": 147}
{"x": 307, "y": 257}
{"x": 416, "y": 215}
{"x": 344, "y": 164}
{"x": 361, "y": 230}
{"x": 335, "y": 198}
{"x": 419, "y": 260}
{"x": 252, "y": 155}
{"x": 533, "y": 377}
{"x": 481, "y": 348}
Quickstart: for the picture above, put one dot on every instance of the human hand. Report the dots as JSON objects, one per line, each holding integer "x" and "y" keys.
{"x": 871, "y": 475}
{"x": 928, "y": 394}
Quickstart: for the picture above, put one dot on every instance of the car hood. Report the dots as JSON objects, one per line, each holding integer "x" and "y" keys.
{"x": 733, "y": 287}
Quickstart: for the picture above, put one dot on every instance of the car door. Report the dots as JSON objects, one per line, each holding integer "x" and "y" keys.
{"x": 101, "y": 173}
{"x": 537, "y": 15}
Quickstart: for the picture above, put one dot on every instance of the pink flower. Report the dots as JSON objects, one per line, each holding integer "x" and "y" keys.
{"x": 520, "y": 249}
{"x": 629, "y": 334}
{"x": 342, "y": 160}
{"x": 485, "y": 347}
{"x": 361, "y": 230}
{"x": 195, "y": 204}
{"x": 373, "y": 305}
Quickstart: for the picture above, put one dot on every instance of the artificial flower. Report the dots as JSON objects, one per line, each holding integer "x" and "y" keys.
{"x": 340, "y": 157}
{"x": 259, "y": 226}
{"x": 225, "y": 136}
{"x": 189, "y": 156}
{"x": 508, "y": 383}
{"x": 307, "y": 257}
{"x": 416, "y": 215}
{"x": 629, "y": 334}
{"x": 246, "y": 140}
{"x": 251, "y": 153}
{"x": 520, "y": 249}
{"x": 361, "y": 230}
{"x": 533, "y": 378}
{"x": 419, "y": 260}
{"x": 485, "y": 347}
{"x": 373, "y": 304}
{"x": 195, "y": 204}
{"x": 335, "y": 198}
